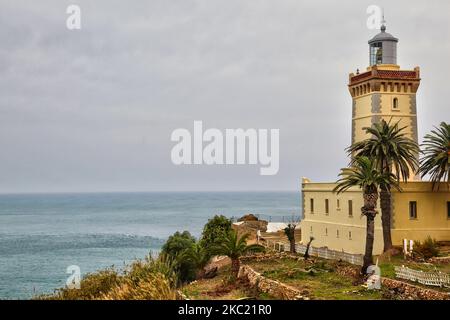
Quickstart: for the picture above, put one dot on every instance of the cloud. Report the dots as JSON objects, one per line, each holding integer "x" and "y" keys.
{"x": 93, "y": 109}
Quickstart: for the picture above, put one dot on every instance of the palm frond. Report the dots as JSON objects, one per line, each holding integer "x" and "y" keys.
{"x": 436, "y": 155}
{"x": 390, "y": 148}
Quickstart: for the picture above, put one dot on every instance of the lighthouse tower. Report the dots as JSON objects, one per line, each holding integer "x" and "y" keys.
{"x": 384, "y": 91}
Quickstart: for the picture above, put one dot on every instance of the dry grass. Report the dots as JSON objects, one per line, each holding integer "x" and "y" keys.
{"x": 220, "y": 288}
{"x": 149, "y": 279}
{"x": 154, "y": 287}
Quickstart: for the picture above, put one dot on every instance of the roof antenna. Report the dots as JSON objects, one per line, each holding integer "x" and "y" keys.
{"x": 383, "y": 22}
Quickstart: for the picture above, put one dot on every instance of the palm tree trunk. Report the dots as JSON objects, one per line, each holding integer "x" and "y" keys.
{"x": 369, "y": 210}
{"x": 386, "y": 214}
{"x": 235, "y": 266}
{"x": 370, "y": 235}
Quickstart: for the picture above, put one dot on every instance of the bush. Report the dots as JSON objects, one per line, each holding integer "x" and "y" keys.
{"x": 154, "y": 287}
{"x": 214, "y": 232}
{"x": 144, "y": 269}
{"x": 152, "y": 278}
{"x": 175, "y": 248}
{"x": 92, "y": 287}
{"x": 428, "y": 249}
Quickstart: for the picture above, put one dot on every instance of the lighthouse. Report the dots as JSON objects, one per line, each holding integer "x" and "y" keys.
{"x": 384, "y": 90}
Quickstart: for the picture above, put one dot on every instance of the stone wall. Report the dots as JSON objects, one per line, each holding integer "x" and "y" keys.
{"x": 274, "y": 288}
{"x": 405, "y": 291}
{"x": 440, "y": 260}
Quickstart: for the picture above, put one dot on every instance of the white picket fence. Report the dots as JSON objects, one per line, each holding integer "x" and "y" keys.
{"x": 437, "y": 278}
{"x": 324, "y": 252}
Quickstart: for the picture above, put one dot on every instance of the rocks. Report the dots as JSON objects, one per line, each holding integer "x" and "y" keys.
{"x": 395, "y": 289}
{"x": 272, "y": 287}
{"x": 347, "y": 271}
{"x": 248, "y": 217}
{"x": 440, "y": 260}
{"x": 210, "y": 273}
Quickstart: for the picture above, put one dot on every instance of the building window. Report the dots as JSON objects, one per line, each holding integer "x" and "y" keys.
{"x": 311, "y": 203}
{"x": 376, "y": 53}
{"x": 327, "y": 207}
{"x": 448, "y": 209}
{"x": 326, "y": 231}
{"x": 395, "y": 103}
{"x": 337, "y": 233}
{"x": 338, "y": 204}
{"x": 413, "y": 209}
{"x": 350, "y": 208}
{"x": 310, "y": 229}
{"x": 350, "y": 235}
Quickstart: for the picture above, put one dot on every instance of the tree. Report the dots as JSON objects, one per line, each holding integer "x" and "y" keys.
{"x": 175, "y": 248}
{"x": 234, "y": 247}
{"x": 214, "y": 231}
{"x": 364, "y": 174}
{"x": 392, "y": 153}
{"x": 436, "y": 155}
{"x": 198, "y": 257}
{"x": 306, "y": 255}
{"x": 289, "y": 231}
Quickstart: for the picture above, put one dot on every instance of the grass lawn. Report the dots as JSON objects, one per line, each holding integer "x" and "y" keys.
{"x": 316, "y": 280}
{"x": 388, "y": 269}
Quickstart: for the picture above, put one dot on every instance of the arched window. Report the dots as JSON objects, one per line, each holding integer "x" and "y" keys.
{"x": 395, "y": 103}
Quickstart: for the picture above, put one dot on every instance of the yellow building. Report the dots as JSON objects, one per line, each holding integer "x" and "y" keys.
{"x": 383, "y": 91}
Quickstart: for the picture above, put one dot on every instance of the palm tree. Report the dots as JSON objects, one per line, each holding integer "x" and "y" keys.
{"x": 364, "y": 174}
{"x": 199, "y": 257}
{"x": 436, "y": 159}
{"x": 234, "y": 247}
{"x": 392, "y": 152}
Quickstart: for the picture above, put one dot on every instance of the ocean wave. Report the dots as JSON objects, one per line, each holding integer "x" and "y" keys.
{"x": 22, "y": 244}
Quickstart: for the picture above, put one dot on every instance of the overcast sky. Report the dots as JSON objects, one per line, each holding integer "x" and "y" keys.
{"x": 93, "y": 109}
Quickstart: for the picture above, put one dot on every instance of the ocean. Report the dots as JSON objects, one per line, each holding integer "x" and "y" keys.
{"x": 41, "y": 235}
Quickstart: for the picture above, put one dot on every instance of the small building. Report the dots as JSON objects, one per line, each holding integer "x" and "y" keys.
{"x": 383, "y": 91}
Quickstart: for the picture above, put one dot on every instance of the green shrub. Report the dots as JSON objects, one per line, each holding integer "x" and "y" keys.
{"x": 214, "y": 232}
{"x": 175, "y": 248}
{"x": 144, "y": 269}
{"x": 428, "y": 249}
